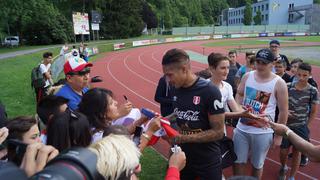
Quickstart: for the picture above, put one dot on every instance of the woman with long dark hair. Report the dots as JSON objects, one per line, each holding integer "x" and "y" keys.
{"x": 68, "y": 129}
{"x": 100, "y": 107}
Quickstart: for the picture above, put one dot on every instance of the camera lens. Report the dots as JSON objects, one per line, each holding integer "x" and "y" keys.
{"x": 74, "y": 163}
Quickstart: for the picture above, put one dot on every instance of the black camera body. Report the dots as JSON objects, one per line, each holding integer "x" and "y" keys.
{"x": 75, "y": 163}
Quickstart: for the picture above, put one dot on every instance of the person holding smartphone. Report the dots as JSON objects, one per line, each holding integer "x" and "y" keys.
{"x": 23, "y": 130}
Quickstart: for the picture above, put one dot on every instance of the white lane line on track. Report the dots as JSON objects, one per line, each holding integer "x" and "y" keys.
{"x": 126, "y": 65}
{"x": 299, "y": 172}
{"x": 156, "y": 59}
{"x": 148, "y": 67}
{"x": 126, "y": 87}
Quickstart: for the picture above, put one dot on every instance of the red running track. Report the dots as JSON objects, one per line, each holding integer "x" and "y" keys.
{"x": 135, "y": 73}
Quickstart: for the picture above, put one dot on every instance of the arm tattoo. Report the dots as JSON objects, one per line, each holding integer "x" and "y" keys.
{"x": 213, "y": 134}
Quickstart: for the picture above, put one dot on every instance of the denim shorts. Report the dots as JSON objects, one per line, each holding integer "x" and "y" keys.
{"x": 255, "y": 145}
{"x": 302, "y": 131}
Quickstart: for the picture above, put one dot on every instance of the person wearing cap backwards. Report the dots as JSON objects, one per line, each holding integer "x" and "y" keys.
{"x": 275, "y": 48}
{"x": 259, "y": 91}
{"x": 77, "y": 72}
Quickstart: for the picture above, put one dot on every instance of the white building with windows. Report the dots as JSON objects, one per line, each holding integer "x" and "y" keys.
{"x": 273, "y": 12}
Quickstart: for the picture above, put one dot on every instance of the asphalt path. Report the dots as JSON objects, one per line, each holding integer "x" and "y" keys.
{"x": 24, "y": 52}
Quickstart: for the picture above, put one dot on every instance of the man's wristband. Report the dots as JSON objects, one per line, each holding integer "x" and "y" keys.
{"x": 287, "y": 133}
{"x": 146, "y": 136}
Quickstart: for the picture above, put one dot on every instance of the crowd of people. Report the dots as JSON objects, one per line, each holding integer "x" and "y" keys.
{"x": 269, "y": 101}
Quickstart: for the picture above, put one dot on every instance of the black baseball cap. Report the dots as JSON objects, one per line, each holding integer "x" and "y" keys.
{"x": 265, "y": 55}
{"x": 274, "y": 42}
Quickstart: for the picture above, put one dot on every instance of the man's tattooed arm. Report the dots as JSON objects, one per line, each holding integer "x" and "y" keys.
{"x": 215, "y": 133}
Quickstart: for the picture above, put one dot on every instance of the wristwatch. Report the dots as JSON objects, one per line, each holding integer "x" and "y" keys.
{"x": 286, "y": 135}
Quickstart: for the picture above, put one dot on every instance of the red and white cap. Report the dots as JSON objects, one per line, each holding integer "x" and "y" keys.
{"x": 75, "y": 64}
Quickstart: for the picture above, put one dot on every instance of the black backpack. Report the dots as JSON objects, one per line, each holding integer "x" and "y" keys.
{"x": 37, "y": 79}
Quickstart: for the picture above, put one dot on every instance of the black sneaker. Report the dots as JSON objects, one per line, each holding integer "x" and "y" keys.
{"x": 304, "y": 161}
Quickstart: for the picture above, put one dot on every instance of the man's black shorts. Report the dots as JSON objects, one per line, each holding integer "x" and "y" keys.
{"x": 302, "y": 131}
{"x": 203, "y": 173}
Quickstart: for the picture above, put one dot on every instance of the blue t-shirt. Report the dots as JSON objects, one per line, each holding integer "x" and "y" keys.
{"x": 74, "y": 98}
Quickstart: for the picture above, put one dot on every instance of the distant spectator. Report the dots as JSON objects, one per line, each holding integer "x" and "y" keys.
{"x": 303, "y": 105}
{"x": 206, "y": 74}
{"x": 68, "y": 129}
{"x": 64, "y": 49}
{"x": 249, "y": 66}
{"x": 85, "y": 53}
{"x": 75, "y": 52}
{"x": 45, "y": 70}
{"x": 47, "y": 108}
{"x": 81, "y": 50}
{"x": 165, "y": 96}
{"x": 275, "y": 48}
{"x": 77, "y": 75}
{"x": 24, "y": 129}
{"x": 233, "y": 69}
{"x": 280, "y": 68}
{"x": 294, "y": 67}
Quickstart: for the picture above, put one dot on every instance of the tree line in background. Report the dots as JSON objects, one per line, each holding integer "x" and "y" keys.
{"x": 50, "y": 21}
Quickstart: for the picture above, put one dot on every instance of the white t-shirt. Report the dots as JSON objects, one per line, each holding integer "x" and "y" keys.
{"x": 134, "y": 115}
{"x": 227, "y": 94}
{"x": 44, "y": 69}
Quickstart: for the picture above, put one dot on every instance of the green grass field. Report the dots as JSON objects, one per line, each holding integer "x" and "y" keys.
{"x": 18, "y": 97}
{"x": 262, "y": 41}
{"x": 91, "y": 43}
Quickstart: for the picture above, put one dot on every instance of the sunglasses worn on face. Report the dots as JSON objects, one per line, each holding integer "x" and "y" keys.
{"x": 261, "y": 62}
{"x": 81, "y": 73}
{"x": 274, "y": 46}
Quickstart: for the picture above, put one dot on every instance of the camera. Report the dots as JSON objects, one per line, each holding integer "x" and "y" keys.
{"x": 74, "y": 163}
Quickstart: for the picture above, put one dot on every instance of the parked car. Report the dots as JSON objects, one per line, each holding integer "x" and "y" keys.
{"x": 11, "y": 41}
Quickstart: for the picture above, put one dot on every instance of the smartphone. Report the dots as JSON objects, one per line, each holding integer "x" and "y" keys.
{"x": 18, "y": 146}
{"x": 137, "y": 134}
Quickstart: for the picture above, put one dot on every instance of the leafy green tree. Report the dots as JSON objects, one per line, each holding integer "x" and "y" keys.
{"x": 247, "y": 20}
{"x": 37, "y": 21}
{"x": 122, "y": 18}
{"x": 257, "y": 18}
{"x": 149, "y": 16}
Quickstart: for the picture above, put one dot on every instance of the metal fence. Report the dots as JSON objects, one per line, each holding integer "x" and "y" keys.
{"x": 239, "y": 29}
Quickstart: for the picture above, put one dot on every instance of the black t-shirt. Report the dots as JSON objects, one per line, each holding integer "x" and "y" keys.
{"x": 286, "y": 77}
{"x": 233, "y": 69}
{"x": 285, "y": 59}
{"x": 193, "y": 106}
